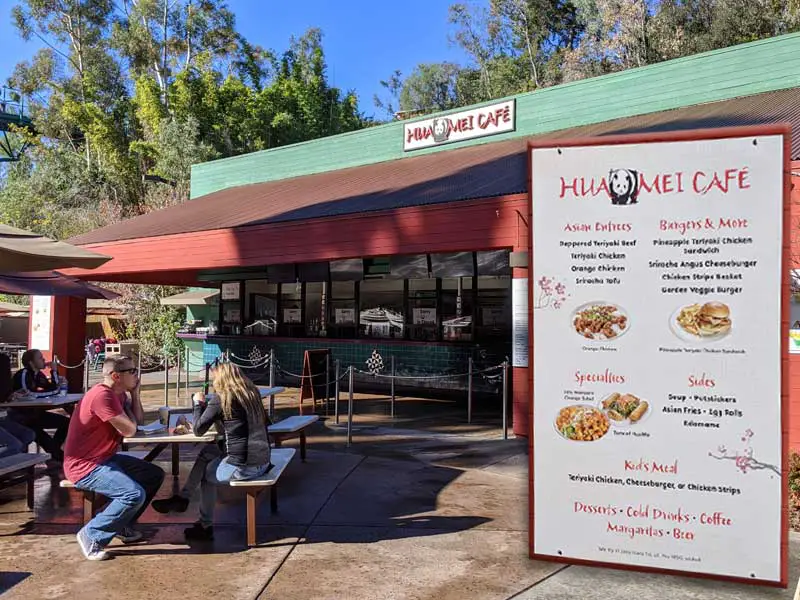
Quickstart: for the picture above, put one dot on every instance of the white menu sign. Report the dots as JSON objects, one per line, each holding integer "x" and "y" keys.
{"x": 40, "y": 322}
{"x": 519, "y": 322}
{"x": 657, "y": 355}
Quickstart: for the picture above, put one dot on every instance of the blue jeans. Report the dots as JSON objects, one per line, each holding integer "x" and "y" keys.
{"x": 221, "y": 471}
{"x": 130, "y": 484}
{"x": 15, "y": 437}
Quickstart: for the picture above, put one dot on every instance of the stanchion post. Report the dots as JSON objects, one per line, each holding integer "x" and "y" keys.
{"x": 350, "y": 408}
{"x": 393, "y": 372}
{"x": 327, "y": 385}
{"x": 272, "y": 382}
{"x": 178, "y": 379}
{"x": 86, "y": 373}
{"x": 166, "y": 379}
{"x": 336, "y": 393}
{"x": 188, "y": 371}
{"x": 505, "y": 399}
{"x": 469, "y": 391}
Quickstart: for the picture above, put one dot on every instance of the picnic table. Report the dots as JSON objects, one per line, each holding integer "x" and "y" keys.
{"x": 167, "y": 438}
{"x": 44, "y": 402}
{"x": 294, "y": 426}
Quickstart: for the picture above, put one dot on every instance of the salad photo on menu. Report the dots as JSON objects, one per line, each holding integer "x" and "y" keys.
{"x": 581, "y": 423}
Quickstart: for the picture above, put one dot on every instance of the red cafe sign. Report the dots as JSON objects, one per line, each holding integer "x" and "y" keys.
{"x": 460, "y": 126}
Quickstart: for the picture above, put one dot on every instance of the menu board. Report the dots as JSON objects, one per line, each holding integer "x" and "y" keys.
{"x": 657, "y": 343}
{"x": 40, "y": 322}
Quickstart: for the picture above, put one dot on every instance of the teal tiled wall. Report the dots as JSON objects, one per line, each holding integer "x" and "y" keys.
{"x": 420, "y": 366}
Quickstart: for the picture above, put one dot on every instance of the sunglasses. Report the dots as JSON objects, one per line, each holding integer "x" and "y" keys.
{"x": 132, "y": 371}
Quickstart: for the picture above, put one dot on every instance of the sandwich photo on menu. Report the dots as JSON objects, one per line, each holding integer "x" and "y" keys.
{"x": 708, "y": 321}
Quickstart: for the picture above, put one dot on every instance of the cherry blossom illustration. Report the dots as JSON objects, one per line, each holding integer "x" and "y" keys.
{"x": 551, "y": 293}
{"x": 743, "y": 459}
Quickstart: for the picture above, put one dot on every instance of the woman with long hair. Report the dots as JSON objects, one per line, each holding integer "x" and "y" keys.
{"x": 237, "y": 409}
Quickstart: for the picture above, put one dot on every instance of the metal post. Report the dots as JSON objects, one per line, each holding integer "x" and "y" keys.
{"x": 336, "y": 393}
{"x": 188, "y": 371}
{"x": 166, "y": 379}
{"x": 178, "y": 379}
{"x": 350, "y": 408}
{"x": 272, "y": 382}
{"x": 469, "y": 392}
{"x": 327, "y": 385}
{"x": 86, "y": 373}
{"x": 393, "y": 372}
{"x": 505, "y": 399}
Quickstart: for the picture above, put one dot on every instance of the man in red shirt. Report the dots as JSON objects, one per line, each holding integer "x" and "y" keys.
{"x": 102, "y": 418}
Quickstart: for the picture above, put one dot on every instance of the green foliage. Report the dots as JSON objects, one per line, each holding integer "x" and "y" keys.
{"x": 126, "y": 96}
{"x": 153, "y": 325}
{"x": 515, "y": 46}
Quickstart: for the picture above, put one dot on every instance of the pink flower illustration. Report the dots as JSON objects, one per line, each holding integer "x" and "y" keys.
{"x": 744, "y": 459}
{"x": 550, "y": 293}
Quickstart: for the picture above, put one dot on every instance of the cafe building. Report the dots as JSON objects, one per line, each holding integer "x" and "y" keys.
{"x": 408, "y": 241}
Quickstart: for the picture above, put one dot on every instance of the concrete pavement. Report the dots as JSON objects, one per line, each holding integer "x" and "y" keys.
{"x": 424, "y": 507}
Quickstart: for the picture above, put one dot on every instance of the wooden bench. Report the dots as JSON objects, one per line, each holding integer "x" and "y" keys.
{"x": 290, "y": 427}
{"x": 280, "y": 458}
{"x": 91, "y": 500}
{"x": 20, "y": 467}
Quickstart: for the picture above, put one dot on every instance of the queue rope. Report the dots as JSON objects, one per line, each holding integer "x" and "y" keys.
{"x": 78, "y": 366}
{"x": 248, "y": 360}
{"x": 330, "y": 383}
{"x": 495, "y": 368}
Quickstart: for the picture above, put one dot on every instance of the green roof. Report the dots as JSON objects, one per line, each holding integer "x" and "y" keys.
{"x": 743, "y": 70}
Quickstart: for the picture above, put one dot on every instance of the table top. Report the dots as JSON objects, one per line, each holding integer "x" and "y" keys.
{"x": 169, "y": 438}
{"x": 292, "y": 424}
{"x": 270, "y": 391}
{"x": 48, "y": 402}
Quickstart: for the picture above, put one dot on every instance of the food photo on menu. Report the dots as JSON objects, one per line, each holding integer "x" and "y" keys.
{"x": 702, "y": 322}
{"x": 600, "y": 321}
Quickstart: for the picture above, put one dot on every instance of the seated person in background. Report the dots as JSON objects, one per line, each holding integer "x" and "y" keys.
{"x": 237, "y": 406}
{"x": 101, "y": 420}
{"x": 31, "y": 378}
{"x": 14, "y": 438}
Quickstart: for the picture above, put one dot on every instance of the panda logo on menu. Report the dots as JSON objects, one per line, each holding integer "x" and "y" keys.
{"x": 623, "y": 186}
{"x": 441, "y": 130}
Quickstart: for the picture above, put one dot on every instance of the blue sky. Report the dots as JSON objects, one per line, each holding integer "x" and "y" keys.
{"x": 364, "y": 40}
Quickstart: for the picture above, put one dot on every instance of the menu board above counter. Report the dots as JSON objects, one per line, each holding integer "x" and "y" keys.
{"x": 658, "y": 324}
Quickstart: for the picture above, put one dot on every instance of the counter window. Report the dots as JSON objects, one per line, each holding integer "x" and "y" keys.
{"x": 381, "y": 308}
{"x": 458, "y": 303}
{"x": 342, "y": 310}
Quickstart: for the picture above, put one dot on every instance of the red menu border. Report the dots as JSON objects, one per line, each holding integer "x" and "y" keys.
{"x": 680, "y": 136}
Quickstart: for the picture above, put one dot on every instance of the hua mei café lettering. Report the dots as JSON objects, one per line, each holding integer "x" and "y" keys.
{"x": 363, "y": 244}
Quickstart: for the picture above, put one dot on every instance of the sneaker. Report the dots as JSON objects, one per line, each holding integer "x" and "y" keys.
{"x": 129, "y": 535}
{"x": 91, "y": 550}
{"x": 199, "y": 533}
{"x": 173, "y": 503}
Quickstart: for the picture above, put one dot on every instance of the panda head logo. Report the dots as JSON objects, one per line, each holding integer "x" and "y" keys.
{"x": 441, "y": 130}
{"x": 623, "y": 186}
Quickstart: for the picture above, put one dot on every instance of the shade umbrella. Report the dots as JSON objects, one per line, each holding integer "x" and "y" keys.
{"x": 25, "y": 251}
{"x": 51, "y": 283}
